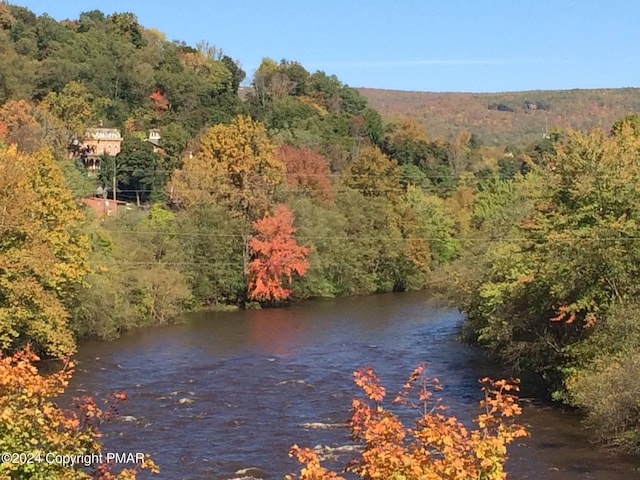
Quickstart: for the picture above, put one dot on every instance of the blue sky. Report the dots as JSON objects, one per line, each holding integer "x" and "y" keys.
{"x": 425, "y": 45}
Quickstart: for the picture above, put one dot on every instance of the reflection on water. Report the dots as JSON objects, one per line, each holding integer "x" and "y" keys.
{"x": 227, "y": 392}
{"x": 277, "y": 334}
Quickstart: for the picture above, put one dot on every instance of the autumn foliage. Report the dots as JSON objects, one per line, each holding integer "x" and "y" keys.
{"x": 437, "y": 447}
{"x": 373, "y": 174}
{"x": 307, "y": 171}
{"x": 43, "y": 256}
{"x": 276, "y": 256}
{"x": 159, "y": 101}
{"x": 18, "y": 125}
{"x": 31, "y": 423}
{"x": 234, "y": 166}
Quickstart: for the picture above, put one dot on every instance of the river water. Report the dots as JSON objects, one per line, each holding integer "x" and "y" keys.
{"x": 225, "y": 395}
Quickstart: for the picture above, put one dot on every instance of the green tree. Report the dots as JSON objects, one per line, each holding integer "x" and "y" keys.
{"x": 357, "y": 245}
{"x": 374, "y": 128}
{"x": 430, "y": 235}
{"x": 237, "y": 74}
{"x": 75, "y": 107}
{"x": 569, "y": 261}
{"x": 127, "y": 26}
{"x": 144, "y": 172}
{"x": 215, "y": 244}
{"x": 322, "y": 227}
{"x": 137, "y": 279}
{"x": 326, "y": 90}
{"x": 372, "y": 256}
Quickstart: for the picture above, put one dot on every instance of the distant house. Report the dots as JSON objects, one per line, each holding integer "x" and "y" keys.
{"x": 96, "y": 142}
{"x": 155, "y": 140}
{"x": 104, "y": 207}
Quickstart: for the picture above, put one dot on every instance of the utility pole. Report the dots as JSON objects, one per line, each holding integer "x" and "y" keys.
{"x": 114, "y": 182}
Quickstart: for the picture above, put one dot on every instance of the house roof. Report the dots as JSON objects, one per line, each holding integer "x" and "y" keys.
{"x": 101, "y": 133}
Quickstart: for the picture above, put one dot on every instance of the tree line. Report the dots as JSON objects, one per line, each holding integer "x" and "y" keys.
{"x": 548, "y": 275}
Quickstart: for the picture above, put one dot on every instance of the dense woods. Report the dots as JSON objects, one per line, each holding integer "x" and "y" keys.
{"x": 294, "y": 187}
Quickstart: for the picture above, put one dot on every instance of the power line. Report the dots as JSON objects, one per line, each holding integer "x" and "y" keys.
{"x": 161, "y": 263}
{"x": 359, "y": 175}
{"x": 293, "y": 174}
{"x": 301, "y": 237}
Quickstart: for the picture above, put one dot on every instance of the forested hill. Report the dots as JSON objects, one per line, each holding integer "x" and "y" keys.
{"x": 514, "y": 118}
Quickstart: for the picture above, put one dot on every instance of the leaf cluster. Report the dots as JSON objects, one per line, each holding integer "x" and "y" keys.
{"x": 437, "y": 447}
{"x": 32, "y": 423}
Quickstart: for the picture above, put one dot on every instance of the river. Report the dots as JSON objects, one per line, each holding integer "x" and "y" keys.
{"x": 225, "y": 395}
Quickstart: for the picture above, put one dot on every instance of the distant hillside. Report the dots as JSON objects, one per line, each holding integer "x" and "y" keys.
{"x": 513, "y": 118}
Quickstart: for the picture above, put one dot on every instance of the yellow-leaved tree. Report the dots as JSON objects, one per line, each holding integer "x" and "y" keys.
{"x": 43, "y": 255}
{"x": 374, "y": 174}
{"x": 75, "y": 107}
{"x": 19, "y": 125}
{"x": 234, "y": 164}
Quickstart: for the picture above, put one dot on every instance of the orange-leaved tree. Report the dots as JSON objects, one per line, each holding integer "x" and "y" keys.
{"x": 159, "y": 101}
{"x": 437, "y": 447}
{"x": 276, "y": 256}
{"x": 36, "y": 434}
{"x": 307, "y": 171}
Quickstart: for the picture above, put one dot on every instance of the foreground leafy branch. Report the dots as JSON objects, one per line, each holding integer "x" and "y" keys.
{"x": 36, "y": 434}
{"x": 437, "y": 447}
